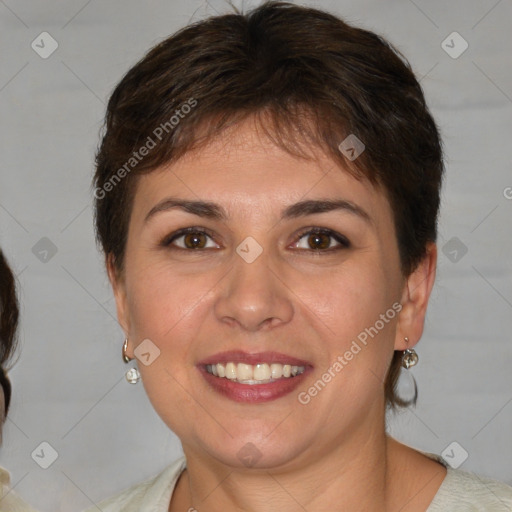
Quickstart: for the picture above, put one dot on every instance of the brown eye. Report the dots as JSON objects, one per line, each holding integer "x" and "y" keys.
{"x": 319, "y": 241}
{"x": 322, "y": 241}
{"x": 194, "y": 240}
{"x": 190, "y": 239}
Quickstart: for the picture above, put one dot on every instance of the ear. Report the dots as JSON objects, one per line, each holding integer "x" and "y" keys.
{"x": 119, "y": 289}
{"x": 415, "y": 296}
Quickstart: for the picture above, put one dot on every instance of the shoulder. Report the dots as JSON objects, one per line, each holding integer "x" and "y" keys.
{"x": 5, "y": 478}
{"x": 9, "y": 501}
{"x": 154, "y": 494}
{"x": 464, "y": 491}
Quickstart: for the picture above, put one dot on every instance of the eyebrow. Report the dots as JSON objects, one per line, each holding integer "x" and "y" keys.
{"x": 216, "y": 212}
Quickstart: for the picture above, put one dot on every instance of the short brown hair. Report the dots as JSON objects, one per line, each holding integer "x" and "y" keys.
{"x": 311, "y": 80}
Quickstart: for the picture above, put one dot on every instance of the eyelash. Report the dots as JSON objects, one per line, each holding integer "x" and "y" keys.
{"x": 342, "y": 240}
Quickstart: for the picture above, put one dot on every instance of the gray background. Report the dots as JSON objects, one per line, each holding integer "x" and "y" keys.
{"x": 69, "y": 386}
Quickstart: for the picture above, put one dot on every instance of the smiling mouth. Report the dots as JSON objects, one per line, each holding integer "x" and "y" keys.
{"x": 252, "y": 374}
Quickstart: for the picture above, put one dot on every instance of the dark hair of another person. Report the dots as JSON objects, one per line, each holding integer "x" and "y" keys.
{"x": 9, "y": 313}
{"x": 311, "y": 80}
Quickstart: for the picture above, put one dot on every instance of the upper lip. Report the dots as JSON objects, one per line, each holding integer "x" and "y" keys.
{"x": 239, "y": 356}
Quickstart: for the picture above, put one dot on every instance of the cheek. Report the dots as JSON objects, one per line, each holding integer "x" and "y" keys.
{"x": 170, "y": 309}
{"x": 166, "y": 308}
{"x": 349, "y": 299}
{"x": 160, "y": 300}
{"x": 353, "y": 307}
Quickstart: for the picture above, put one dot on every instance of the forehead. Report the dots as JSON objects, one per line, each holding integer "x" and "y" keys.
{"x": 246, "y": 171}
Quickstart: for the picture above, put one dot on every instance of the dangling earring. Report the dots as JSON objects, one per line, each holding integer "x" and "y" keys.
{"x": 132, "y": 375}
{"x": 409, "y": 357}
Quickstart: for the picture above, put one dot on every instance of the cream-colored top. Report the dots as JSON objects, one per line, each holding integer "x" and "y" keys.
{"x": 9, "y": 501}
{"x": 460, "y": 492}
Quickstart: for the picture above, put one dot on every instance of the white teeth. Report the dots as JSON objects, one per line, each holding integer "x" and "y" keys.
{"x": 276, "y": 370}
{"x": 231, "y": 371}
{"x": 260, "y": 373}
{"x": 244, "y": 372}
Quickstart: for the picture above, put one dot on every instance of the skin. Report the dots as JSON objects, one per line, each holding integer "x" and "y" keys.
{"x": 193, "y": 303}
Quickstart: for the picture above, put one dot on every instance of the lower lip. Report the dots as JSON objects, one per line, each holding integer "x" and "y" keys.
{"x": 253, "y": 393}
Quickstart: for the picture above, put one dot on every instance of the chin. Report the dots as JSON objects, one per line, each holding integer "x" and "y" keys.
{"x": 252, "y": 451}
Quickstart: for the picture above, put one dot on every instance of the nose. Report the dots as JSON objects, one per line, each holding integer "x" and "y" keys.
{"x": 253, "y": 296}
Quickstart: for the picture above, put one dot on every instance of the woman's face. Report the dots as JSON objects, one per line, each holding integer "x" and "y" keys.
{"x": 258, "y": 282}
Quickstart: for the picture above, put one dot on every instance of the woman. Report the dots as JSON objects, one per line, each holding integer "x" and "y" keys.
{"x": 9, "y": 501}
{"x": 267, "y": 191}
